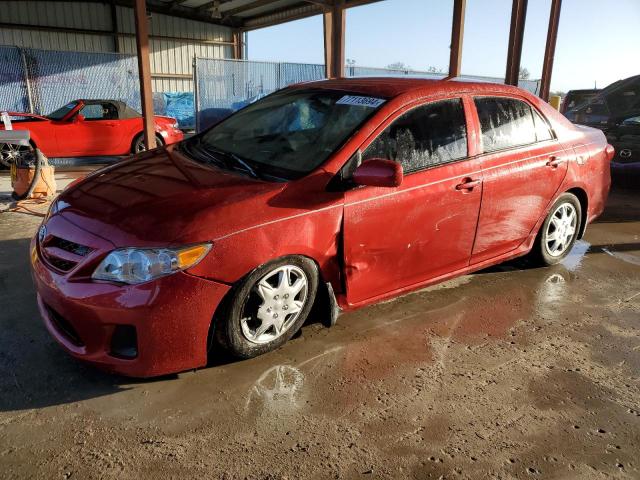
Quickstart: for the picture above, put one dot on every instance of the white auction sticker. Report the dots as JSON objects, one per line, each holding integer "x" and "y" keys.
{"x": 357, "y": 101}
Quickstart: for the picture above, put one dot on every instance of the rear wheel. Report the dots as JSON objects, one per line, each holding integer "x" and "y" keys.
{"x": 138, "y": 143}
{"x": 559, "y": 230}
{"x": 268, "y": 307}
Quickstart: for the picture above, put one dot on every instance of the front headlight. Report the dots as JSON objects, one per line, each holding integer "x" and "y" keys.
{"x": 139, "y": 265}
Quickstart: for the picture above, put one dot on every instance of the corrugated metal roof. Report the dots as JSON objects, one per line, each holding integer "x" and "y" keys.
{"x": 246, "y": 14}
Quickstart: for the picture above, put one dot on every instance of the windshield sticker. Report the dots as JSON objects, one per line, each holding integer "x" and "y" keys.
{"x": 357, "y": 101}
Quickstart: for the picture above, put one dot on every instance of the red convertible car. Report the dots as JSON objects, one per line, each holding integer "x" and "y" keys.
{"x": 343, "y": 192}
{"x": 84, "y": 128}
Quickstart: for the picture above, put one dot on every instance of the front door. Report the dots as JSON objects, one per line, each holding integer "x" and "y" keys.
{"x": 395, "y": 238}
{"x": 523, "y": 166}
{"x": 98, "y": 133}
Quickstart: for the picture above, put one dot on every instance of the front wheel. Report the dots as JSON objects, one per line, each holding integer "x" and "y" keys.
{"x": 138, "y": 145}
{"x": 268, "y": 307}
{"x": 559, "y": 230}
{"x": 10, "y": 154}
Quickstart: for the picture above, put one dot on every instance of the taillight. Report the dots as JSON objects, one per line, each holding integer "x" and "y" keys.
{"x": 610, "y": 151}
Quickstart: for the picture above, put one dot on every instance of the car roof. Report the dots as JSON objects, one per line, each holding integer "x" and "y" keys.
{"x": 390, "y": 87}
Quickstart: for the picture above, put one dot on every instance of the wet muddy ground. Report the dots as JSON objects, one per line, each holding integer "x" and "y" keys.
{"x": 512, "y": 372}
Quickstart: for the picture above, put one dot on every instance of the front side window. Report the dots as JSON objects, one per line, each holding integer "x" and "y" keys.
{"x": 505, "y": 123}
{"x": 426, "y": 136}
{"x": 287, "y": 134}
{"x": 99, "y": 111}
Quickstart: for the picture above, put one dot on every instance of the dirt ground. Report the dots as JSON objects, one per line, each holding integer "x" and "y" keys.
{"x": 512, "y": 372}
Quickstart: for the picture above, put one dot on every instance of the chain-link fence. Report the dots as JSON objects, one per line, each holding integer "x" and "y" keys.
{"x": 14, "y": 95}
{"x": 41, "y": 81}
{"x": 223, "y": 86}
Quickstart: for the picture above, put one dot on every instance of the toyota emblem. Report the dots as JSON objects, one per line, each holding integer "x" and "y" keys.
{"x": 625, "y": 153}
{"x": 42, "y": 233}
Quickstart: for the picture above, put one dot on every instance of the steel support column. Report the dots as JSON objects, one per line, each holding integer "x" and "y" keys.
{"x": 334, "y": 30}
{"x": 516, "y": 33}
{"x": 457, "y": 37}
{"x": 550, "y": 49}
{"x": 238, "y": 46}
{"x": 144, "y": 71}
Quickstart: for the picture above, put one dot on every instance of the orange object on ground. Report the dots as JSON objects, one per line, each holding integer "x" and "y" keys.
{"x": 21, "y": 179}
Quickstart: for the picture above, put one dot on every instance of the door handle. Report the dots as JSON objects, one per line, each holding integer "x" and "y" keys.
{"x": 554, "y": 162}
{"x": 468, "y": 184}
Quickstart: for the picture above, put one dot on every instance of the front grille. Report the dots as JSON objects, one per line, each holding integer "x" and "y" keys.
{"x": 62, "y": 254}
{"x": 64, "y": 327}
{"x": 69, "y": 246}
{"x": 60, "y": 264}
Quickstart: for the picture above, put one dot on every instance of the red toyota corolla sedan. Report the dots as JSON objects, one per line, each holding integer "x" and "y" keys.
{"x": 84, "y": 128}
{"x": 345, "y": 192}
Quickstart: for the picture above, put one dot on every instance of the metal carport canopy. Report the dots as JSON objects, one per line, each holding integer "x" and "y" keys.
{"x": 242, "y": 14}
{"x": 245, "y": 15}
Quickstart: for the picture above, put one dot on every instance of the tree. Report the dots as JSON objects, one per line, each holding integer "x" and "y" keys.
{"x": 432, "y": 69}
{"x": 524, "y": 74}
{"x": 398, "y": 66}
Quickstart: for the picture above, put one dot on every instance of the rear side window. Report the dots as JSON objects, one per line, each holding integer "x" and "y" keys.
{"x": 543, "y": 132}
{"x": 426, "y": 136}
{"x": 505, "y": 123}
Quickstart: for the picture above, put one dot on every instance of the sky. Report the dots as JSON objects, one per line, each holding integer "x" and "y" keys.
{"x": 598, "y": 41}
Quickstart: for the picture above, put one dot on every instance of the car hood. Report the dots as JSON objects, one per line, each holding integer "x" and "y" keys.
{"x": 164, "y": 198}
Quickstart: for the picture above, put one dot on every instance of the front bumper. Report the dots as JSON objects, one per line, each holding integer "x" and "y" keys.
{"x": 625, "y": 174}
{"x": 171, "y": 317}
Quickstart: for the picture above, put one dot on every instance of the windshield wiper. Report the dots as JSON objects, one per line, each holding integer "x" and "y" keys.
{"x": 219, "y": 157}
{"x": 245, "y": 166}
{"x": 199, "y": 152}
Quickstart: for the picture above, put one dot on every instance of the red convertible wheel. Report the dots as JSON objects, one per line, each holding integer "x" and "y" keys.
{"x": 12, "y": 153}
{"x": 139, "y": 146}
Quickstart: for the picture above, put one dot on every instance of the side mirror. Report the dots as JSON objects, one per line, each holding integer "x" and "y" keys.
{"x": 379, "y": 172}
{"x": 78, "y": 118}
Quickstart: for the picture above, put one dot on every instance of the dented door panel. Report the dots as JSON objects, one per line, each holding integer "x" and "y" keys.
{"x": 399, "y": 237}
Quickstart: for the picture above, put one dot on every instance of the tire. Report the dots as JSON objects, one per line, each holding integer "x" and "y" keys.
{"x": 138, "y": 140}
{"x": 12, "y": 153}
{"x": 564, "y": 217}
{"x": 252, "y": 308}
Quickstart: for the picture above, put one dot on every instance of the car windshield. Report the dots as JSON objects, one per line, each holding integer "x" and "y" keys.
{"x": 285, "y": 135}
{"x": 62, "y": 111}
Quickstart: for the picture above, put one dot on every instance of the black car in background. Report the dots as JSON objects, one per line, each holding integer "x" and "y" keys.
{"x": 575, "y": 98}
{"x": 616, "y": 111}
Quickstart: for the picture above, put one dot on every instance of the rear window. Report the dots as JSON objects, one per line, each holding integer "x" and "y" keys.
{"x": 505, "y": 123}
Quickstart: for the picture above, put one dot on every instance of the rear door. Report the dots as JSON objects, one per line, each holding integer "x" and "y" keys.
{"x": 395, "y": 238}
{"x": 523, "y": 166}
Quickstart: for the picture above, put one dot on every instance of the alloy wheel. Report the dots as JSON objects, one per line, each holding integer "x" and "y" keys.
{"x": 140, "y": 146}
{"x": 10, "y": 153}
{"x": 561, "y": 229}
{"x": 274, "y": 304}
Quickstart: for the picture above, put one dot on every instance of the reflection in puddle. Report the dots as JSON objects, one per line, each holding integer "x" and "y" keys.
{"x": 277, "y": 390}
{"x": 280, "y": 388}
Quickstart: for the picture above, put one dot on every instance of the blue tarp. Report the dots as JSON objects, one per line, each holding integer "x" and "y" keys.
{"x": 178, "y": 105}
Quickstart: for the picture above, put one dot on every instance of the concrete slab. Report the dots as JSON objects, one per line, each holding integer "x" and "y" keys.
{"x": 512, "y": 372}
